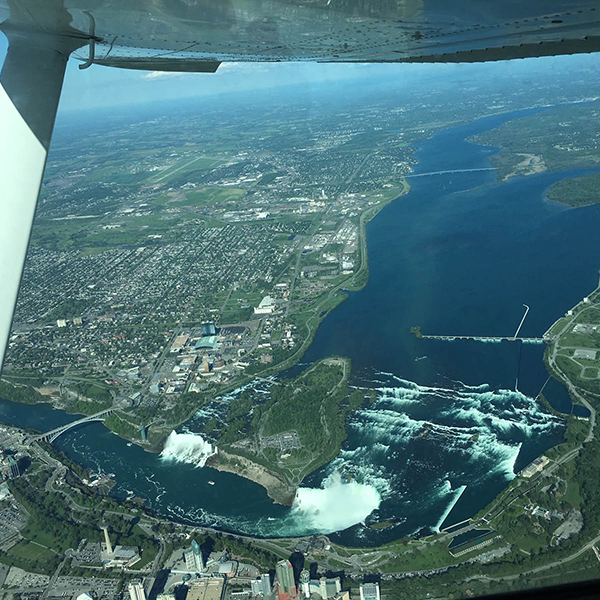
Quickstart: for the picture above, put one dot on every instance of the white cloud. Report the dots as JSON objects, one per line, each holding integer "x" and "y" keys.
{"x": 161, "y": 74}
{"x": 247, "y": 67}
{"x": 226, "y": 68}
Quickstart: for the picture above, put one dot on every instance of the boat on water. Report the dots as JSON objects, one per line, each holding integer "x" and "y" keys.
{"x": 129, "y": 444}
{"x": 270, "y": 518}
{"x": 211, "y": 483}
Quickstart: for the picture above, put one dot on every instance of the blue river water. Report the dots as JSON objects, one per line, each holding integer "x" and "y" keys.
{"x": 460, "y": 254}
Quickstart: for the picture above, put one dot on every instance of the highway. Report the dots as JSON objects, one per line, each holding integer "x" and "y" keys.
{"x": 541, "y": 568}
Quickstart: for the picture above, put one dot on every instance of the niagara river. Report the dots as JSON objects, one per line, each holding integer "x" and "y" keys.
{"x": 448, "y": 429}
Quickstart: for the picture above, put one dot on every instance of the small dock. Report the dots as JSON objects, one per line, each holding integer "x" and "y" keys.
{"x": 488, "y": 339}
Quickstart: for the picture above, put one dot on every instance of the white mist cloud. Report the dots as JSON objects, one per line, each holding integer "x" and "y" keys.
{"x": 336, "y": 506}
{"x": 187, "y": 448}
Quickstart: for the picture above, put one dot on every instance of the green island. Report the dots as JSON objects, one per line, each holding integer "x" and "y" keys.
{"x": 299, "y": 428}
{"x": 554, "y": 139}
{"x": 416, "y": 331}
{"x": 576, "y": 191}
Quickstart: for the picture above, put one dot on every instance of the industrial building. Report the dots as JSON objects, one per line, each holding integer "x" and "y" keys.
{"x": 178, "y": 343}
{"x": 266, "y": 306}
{"x": 208, "y": 342}
{"x": 535, "y": 467}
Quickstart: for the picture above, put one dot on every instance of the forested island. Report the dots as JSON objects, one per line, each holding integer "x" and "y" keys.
{"x": 297, "y": 429}
{"x": 577, "y": 191}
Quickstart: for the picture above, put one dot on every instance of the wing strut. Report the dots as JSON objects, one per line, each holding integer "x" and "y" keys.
{"x": 30, "y": 84}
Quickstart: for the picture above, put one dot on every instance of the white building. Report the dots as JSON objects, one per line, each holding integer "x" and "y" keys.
{"x": 369, "y": 591}
{"x": 326, "y": 588}
{"x": 193, "y": 558}
{"x": 136, "y": 590}
{"x": 262, "y": 586}
{"x": 266, "y": 584}
{"x": 305, "y": 583}
{"x": 228, "y": 568}
{"x": 256, "y": 586}
{"x": 266, "y": 306}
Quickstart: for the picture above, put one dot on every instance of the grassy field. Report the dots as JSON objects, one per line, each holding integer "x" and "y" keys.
{"x": 580, "y": 340}
{"x": 558, "y": 326}
{"x": 572, "y": 372}
{"x": 30, "y": 551}
{"x": 240, "y": 305}
{"x": 214, "y": 196}
{"x": 185, "y": 166}
{"x": 429, "y": 556}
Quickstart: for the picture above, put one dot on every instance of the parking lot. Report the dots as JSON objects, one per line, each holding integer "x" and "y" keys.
{"x": 68, "y": 587}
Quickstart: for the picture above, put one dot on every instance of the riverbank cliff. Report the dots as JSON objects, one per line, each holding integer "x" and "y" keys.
{"x": 277, "y": 489}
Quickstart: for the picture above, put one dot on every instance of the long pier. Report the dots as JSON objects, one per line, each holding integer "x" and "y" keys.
{"x": 522, "y": 320}
{"x": 478, "y": 338}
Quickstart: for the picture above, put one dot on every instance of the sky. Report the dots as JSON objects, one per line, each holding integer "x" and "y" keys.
{"x": 104, "y": 87}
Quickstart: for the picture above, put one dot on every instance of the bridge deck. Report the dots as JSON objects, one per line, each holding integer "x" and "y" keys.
{"x": 54, "y": 433}
{"x": 481, "y": 338}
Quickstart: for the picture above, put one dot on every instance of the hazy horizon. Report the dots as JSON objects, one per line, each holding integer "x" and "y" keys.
{"x": 103, "y": 87}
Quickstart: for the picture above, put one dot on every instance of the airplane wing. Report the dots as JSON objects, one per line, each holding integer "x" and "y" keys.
{"x": 197, "y": 35}
{"x": 316, "y": 30}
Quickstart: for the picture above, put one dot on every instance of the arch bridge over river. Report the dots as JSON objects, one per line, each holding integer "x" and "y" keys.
{"x": 51, "y": 436}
